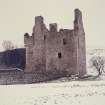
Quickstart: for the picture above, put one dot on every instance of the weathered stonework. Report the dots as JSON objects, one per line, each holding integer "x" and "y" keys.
{"x": 53, "y": 50}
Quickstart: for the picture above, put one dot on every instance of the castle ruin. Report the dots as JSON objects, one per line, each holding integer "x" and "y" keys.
{"x": 53, "y": 50}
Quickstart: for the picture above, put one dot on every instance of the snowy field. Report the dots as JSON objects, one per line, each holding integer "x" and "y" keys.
{"x": 69, "y": 93}
{"x": 59, "y": 93}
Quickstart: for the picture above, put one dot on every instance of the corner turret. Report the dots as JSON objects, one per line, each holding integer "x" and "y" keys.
{"x": 28, "y": 40}
{"x": 78, "y": 23}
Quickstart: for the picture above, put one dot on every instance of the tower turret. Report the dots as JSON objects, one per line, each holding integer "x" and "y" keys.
{"x": 80, "y": 39}
{"x": 78, "y": 23}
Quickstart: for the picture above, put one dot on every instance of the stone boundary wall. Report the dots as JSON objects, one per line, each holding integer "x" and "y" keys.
{"x": 20, "y": 77}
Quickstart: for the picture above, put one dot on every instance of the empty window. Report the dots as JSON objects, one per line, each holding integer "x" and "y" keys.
{"x": 64, "y": 41}
{"x": 59, "y": 55}
{"x": 44, "y": 37}
{"x": 78, "y": 42}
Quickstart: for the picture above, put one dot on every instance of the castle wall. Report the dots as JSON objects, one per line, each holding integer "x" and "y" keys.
{"x": 39, "y": 45}
{"x": 52, "y": 48}
{"x": 56, "y": 51}
{"x": 20, "y": 77}
{"x": 37, "y": 52}
{"x": 68, "y": 62}
{"x": 60, "y": 52}
{"x": 28, "y": 41}
{"x": 81, "y": 50}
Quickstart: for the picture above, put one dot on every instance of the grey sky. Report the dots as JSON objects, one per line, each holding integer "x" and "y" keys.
{"x": 17, "y": 17}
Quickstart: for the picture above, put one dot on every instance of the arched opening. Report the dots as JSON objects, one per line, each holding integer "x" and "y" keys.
{"x": 44, "y": 37}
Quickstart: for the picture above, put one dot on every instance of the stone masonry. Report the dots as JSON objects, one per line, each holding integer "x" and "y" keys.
{"x": 53, "y": 50}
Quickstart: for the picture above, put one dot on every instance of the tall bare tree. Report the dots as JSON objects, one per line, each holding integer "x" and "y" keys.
{"x": 7, "y": 45}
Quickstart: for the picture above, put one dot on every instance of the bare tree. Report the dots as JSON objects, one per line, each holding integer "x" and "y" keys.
{"x": 98, "y": 62}
{"x": 7, "y": 45}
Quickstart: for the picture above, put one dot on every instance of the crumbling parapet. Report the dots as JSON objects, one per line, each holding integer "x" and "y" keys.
{"x": 78, "y": 23}
{"x": 53, "y": 27}
{"x": 28, "y": 40}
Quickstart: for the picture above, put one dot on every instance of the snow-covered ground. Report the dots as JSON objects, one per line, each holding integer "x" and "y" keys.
{"x": 65, "y": 93}
{"x": 69, "y": 93}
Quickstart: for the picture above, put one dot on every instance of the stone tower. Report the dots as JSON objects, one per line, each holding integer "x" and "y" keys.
{"x": 53, "y": 50}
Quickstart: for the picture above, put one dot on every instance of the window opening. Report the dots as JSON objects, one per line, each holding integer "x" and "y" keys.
{"x": 59, "y": 55}
{"x": 64, "y": 41}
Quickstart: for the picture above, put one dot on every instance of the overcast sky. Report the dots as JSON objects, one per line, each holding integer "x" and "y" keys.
{"x": 17, "y": 17}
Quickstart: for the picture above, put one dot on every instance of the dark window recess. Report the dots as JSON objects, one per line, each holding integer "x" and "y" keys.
{"x": 64, "y": 41}
{"x": 32, "y": 34}
{"x": 78, "y": 42}
{"x": 59, "y": 55}
{"x": 44, "y": 37}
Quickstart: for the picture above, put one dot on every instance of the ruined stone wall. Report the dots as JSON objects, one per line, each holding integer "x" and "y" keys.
{"x": 28, "y": 41}
{"x": 60, "y": 55}
{"x": 39, "y": 49}
{"x": 53, "y": 50}
{"x": 20, "y": 77}
{"x": 81, "y": 47}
